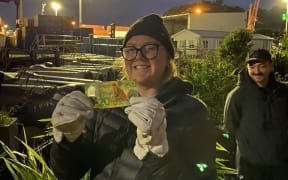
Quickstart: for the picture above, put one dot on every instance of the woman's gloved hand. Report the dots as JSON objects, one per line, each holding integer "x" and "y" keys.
{"x": 149, "y": 116}
{"x": 70, "y": 115}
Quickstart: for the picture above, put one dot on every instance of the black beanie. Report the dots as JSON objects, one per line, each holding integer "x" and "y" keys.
{"x": 151, "y": 25}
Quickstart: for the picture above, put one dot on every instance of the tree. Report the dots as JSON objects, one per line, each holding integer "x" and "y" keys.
{"x": 219, "y": 2}
{"x": 235, "y": 47}
{"x": 270, "y": 20}
{"x": 284, "y": 45}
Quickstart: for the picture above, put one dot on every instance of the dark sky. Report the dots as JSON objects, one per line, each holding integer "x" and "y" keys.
{"x": 105, "y": 12}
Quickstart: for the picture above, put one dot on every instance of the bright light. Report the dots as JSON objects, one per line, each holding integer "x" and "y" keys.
{"x": 198, "y": 11}
{"x": 56, "y": 6}
{"x": 73, "y": 23}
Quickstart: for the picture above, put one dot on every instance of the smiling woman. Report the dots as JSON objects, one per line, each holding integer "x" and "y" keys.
{"x": 164, "y": 133}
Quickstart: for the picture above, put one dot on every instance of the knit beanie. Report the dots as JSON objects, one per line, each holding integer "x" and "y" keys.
{"x": 151, "y": 25}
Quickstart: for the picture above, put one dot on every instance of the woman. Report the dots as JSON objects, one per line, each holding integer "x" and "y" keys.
{"x": 163, "y": 134}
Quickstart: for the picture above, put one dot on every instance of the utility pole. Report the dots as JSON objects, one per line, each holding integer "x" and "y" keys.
{"x": 252, "y": 15}
{"x": 19, "y": 24}
{"x": 80, "y": 13}
{"x": 286, "y": 16}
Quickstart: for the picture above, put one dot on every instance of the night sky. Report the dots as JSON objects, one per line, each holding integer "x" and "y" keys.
{"x": 105, "y": 12}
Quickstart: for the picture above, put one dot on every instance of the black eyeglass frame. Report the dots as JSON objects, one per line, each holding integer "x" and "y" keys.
{"x": 122, "y": 49}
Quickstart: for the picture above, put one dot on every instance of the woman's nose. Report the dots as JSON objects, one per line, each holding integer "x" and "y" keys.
{"x": 139, "y": 56}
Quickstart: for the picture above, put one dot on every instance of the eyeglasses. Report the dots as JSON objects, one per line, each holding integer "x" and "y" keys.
{"x": 148, "y": 51}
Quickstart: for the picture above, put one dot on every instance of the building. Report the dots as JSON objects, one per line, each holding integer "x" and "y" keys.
{"x": 106, "y": 31}
{"x": 197, "y": 34}
{"x": 198, "y": 42}
{"x": 220, "y": 21}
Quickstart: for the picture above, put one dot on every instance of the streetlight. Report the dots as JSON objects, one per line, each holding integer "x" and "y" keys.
{"x": 5, "y": 28}
{"x": 198, "y": 11}
{"x": 56, "y": 6}
{"x": 73, "y": 23}
{"x": 286, "y": 15}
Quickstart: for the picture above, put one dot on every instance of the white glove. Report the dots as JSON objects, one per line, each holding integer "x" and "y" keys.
{"x": 149, "y": 116}
{"x": 70, "y": 115}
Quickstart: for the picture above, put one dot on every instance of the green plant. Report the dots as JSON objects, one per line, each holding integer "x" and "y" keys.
{"x": 5, "y": 118}
{"x": 284, "y": 46}
{"x": 47, "y": 131}
{"x": 28, "y": 164}
{"x": 235, "y": 47}
{"x": 212, "y": 79}
{"x": 221, "y": 168}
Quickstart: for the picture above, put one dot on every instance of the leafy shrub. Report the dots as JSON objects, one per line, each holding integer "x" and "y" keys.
{"x": 212, "y": 79}
{"x": 235, "y": 47}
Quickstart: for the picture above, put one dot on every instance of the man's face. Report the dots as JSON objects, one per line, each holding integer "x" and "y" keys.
{"x": 259, "y": 72}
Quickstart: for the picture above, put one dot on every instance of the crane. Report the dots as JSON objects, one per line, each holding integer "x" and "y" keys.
{"x": 252, "y": 15}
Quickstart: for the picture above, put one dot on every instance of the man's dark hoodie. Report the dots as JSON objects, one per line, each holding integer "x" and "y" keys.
{"x": 258, "y": 118}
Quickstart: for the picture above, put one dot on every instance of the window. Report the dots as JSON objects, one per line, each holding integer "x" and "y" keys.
{"x": 191, "y": 44}
{"x": 205, "y": 44}
{"x": 182, "y": 44}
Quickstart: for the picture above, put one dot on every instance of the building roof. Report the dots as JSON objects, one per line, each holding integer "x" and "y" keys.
{"x": 204, "y": 33}
{"x": 262, "y": 37}
{"x": 219, "y": 34}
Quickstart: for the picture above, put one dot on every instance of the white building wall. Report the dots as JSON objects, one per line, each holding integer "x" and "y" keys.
{"x": 186, "y": 36}
{"x": 120, "y": 34}
{"x": 228, "y": 21}
{"x": 184, "y": 40}
{"x": 205, "y": 43}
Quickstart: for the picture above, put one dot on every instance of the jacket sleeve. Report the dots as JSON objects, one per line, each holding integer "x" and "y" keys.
{"x": 93, "y": 150}
{"x": 67, "y": 159}
{"x": 72, "y": 160}
{"x": 232, "y": 114}
{"x": 231, "y": 122}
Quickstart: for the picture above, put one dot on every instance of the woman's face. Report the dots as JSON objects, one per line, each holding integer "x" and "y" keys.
{"x": 147, "y": 71}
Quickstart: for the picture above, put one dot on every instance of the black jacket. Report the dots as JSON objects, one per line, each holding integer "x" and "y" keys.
{"x": 107, "y": 145}
{"x": 258, "y": 118}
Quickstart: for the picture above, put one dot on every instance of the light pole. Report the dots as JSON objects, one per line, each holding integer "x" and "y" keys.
{"x": 80, "y": 13}
{"x": 56, "y": 6}
{"x": 286, "y": 1}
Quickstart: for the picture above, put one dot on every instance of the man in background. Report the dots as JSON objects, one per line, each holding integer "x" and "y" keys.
{"x": 256, "y": 114}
